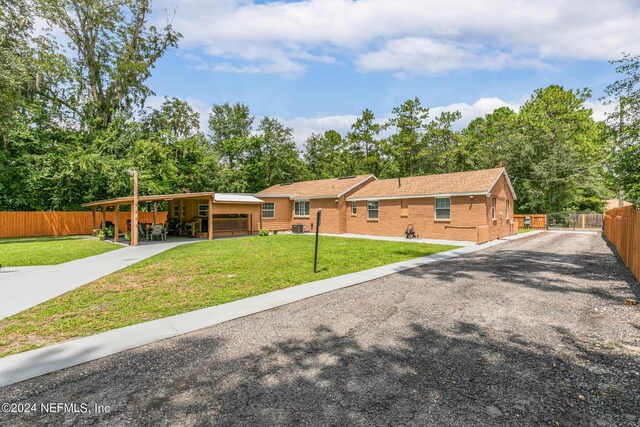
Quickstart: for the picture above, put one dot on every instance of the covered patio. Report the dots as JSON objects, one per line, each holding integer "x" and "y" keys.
{"x": 189, "y": 215}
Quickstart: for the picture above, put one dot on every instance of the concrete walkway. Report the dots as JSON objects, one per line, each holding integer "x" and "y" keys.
{"x": 41, "y": 361}
{"x": 24, "y": 287}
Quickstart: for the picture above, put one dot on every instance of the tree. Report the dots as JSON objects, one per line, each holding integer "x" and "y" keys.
{"x": 491, "y": 140}
{"x": 624, "y": 96}
{"x": 561, "y": 165}
{"x": 410, "y": 122}
{"x": 326, "y": 155}
{"x": 230, "y": 127}
{"x": 364, "y": 147}
{"x": 113, "y": 49}
{"x": 440, "y": 144}
{"x": 18, "y": 63}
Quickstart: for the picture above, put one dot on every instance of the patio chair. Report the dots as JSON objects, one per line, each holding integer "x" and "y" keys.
{"x": 157, "y": 231}
{"x": 165, "y": 230}
{"x": 142, "y": 232}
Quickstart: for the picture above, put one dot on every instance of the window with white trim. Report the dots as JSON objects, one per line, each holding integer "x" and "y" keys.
{"x": 203, "y": 210}
{"x": 507, "y": 207}
{"x": 268, "y": 210}
{"x": 443, "y": 208}
{"x": 494, "y": 201}
{"x": 301, "y": 208}
{"x": 372, "y": 209}
{"x": 354, "y": 208}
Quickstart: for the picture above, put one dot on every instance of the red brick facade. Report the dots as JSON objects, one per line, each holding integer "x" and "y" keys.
{"x": 470, "y": 219}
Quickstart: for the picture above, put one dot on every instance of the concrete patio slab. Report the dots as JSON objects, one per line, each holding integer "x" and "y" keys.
{"x": 25, "y": 287}
{"x": 33, "y": 363}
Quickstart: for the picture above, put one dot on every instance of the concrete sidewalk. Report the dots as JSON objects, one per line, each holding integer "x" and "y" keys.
{"x": 400, "y": 239}
{"x": 41, "y": 361}
{"x": 24, "y": 287}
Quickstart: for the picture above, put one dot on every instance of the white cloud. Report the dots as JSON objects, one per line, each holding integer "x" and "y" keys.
{"x": 412, "y": 36}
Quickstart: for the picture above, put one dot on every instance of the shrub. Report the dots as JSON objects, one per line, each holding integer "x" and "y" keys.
{"x": 264, "y": 232}
{"x": 100, "y": 234}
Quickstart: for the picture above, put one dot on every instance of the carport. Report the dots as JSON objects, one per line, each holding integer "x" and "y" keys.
{"x": 207, "y": 213}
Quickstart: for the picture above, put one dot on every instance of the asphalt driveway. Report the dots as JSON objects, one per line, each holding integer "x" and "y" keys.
{"x": 530, "y": 332}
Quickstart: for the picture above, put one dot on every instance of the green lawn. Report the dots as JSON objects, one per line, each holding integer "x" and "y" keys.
{"x": 195, "y": 276}
{"x": 50, "y": 250}
{"x": 525, "y": 230}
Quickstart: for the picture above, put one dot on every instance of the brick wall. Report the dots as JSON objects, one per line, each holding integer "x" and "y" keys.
{"x": 283, "y": 215}
{"x": 466, "y": 215}
{"x": 500, "y": 227}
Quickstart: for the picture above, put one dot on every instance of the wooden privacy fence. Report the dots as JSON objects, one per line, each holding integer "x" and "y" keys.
{"x": 622, "y": 229}
{"x": 50, "y": 223}
{"x": 538, "y": 221}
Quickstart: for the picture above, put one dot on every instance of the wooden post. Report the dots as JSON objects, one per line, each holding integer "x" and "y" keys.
{"x": 210, "y": 221}
{"x": 134, "y": 211}
{"x": 103, "y": 223}
{"x": 155, "y": 209}
{"x": 116, "y": 208}
{"x": 93, "y": 218}
{"x": 180, "y": 210}
{"x": 250, "y": 224}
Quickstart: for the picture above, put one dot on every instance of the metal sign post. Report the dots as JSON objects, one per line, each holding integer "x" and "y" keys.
{"x": 315, "y": 255}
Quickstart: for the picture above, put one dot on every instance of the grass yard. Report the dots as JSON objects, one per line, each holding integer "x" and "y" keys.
{"x": 50, "y": 250}
{"x": 195, "y": 276}
{"x": 525, "y": 230}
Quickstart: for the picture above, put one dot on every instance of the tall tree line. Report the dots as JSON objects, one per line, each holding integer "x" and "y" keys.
{"x": 74, "y": 118}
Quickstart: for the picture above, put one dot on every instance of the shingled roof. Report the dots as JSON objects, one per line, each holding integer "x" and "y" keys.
{"x": 458, "y": 183}
{"x": 320, "y": 188}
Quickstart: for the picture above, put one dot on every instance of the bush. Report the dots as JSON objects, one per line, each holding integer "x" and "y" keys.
{"x": 100, "y": 234}
{"x": 264, "y": 232}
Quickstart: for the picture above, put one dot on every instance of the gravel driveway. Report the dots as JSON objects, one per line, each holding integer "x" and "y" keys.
{"x": 529, "y": 332}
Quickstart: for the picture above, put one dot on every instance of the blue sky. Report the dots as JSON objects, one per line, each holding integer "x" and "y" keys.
{"x": 316, "y": 64}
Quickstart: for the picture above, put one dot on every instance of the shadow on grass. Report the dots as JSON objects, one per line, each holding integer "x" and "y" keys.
{"x": 466, "y": 376}
{"x": 41, "y": 239}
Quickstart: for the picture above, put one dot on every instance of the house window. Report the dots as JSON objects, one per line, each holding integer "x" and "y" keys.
{"x": 269, "y": 210}
{"x": 203, "y": 210}
{"x": 372, "y": 209}
{"x": 404, "y": 208}
{"x": 507, "y": 207}
{"x": 301, "y": 209}
{"x": 176, "y": 210}
{"x": 443, "y": 208}
{"x": 354, "y": 208}
{"x": 494, "y": 200}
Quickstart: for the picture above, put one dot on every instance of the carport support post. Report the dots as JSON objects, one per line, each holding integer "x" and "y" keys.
{"x": 210, "y": 219}
{"x": 155, "y": 210}
{"x": 116, "y": 209}
{"x": 93, "y": 218}
{"x": 134, "y": 211}
{"x": 103, "y": 210}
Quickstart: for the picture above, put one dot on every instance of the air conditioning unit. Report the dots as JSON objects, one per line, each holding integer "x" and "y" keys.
{"x": 297, "y": 228}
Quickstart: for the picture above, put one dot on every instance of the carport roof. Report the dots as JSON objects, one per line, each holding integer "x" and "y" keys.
{"x": 217, "y": 197}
